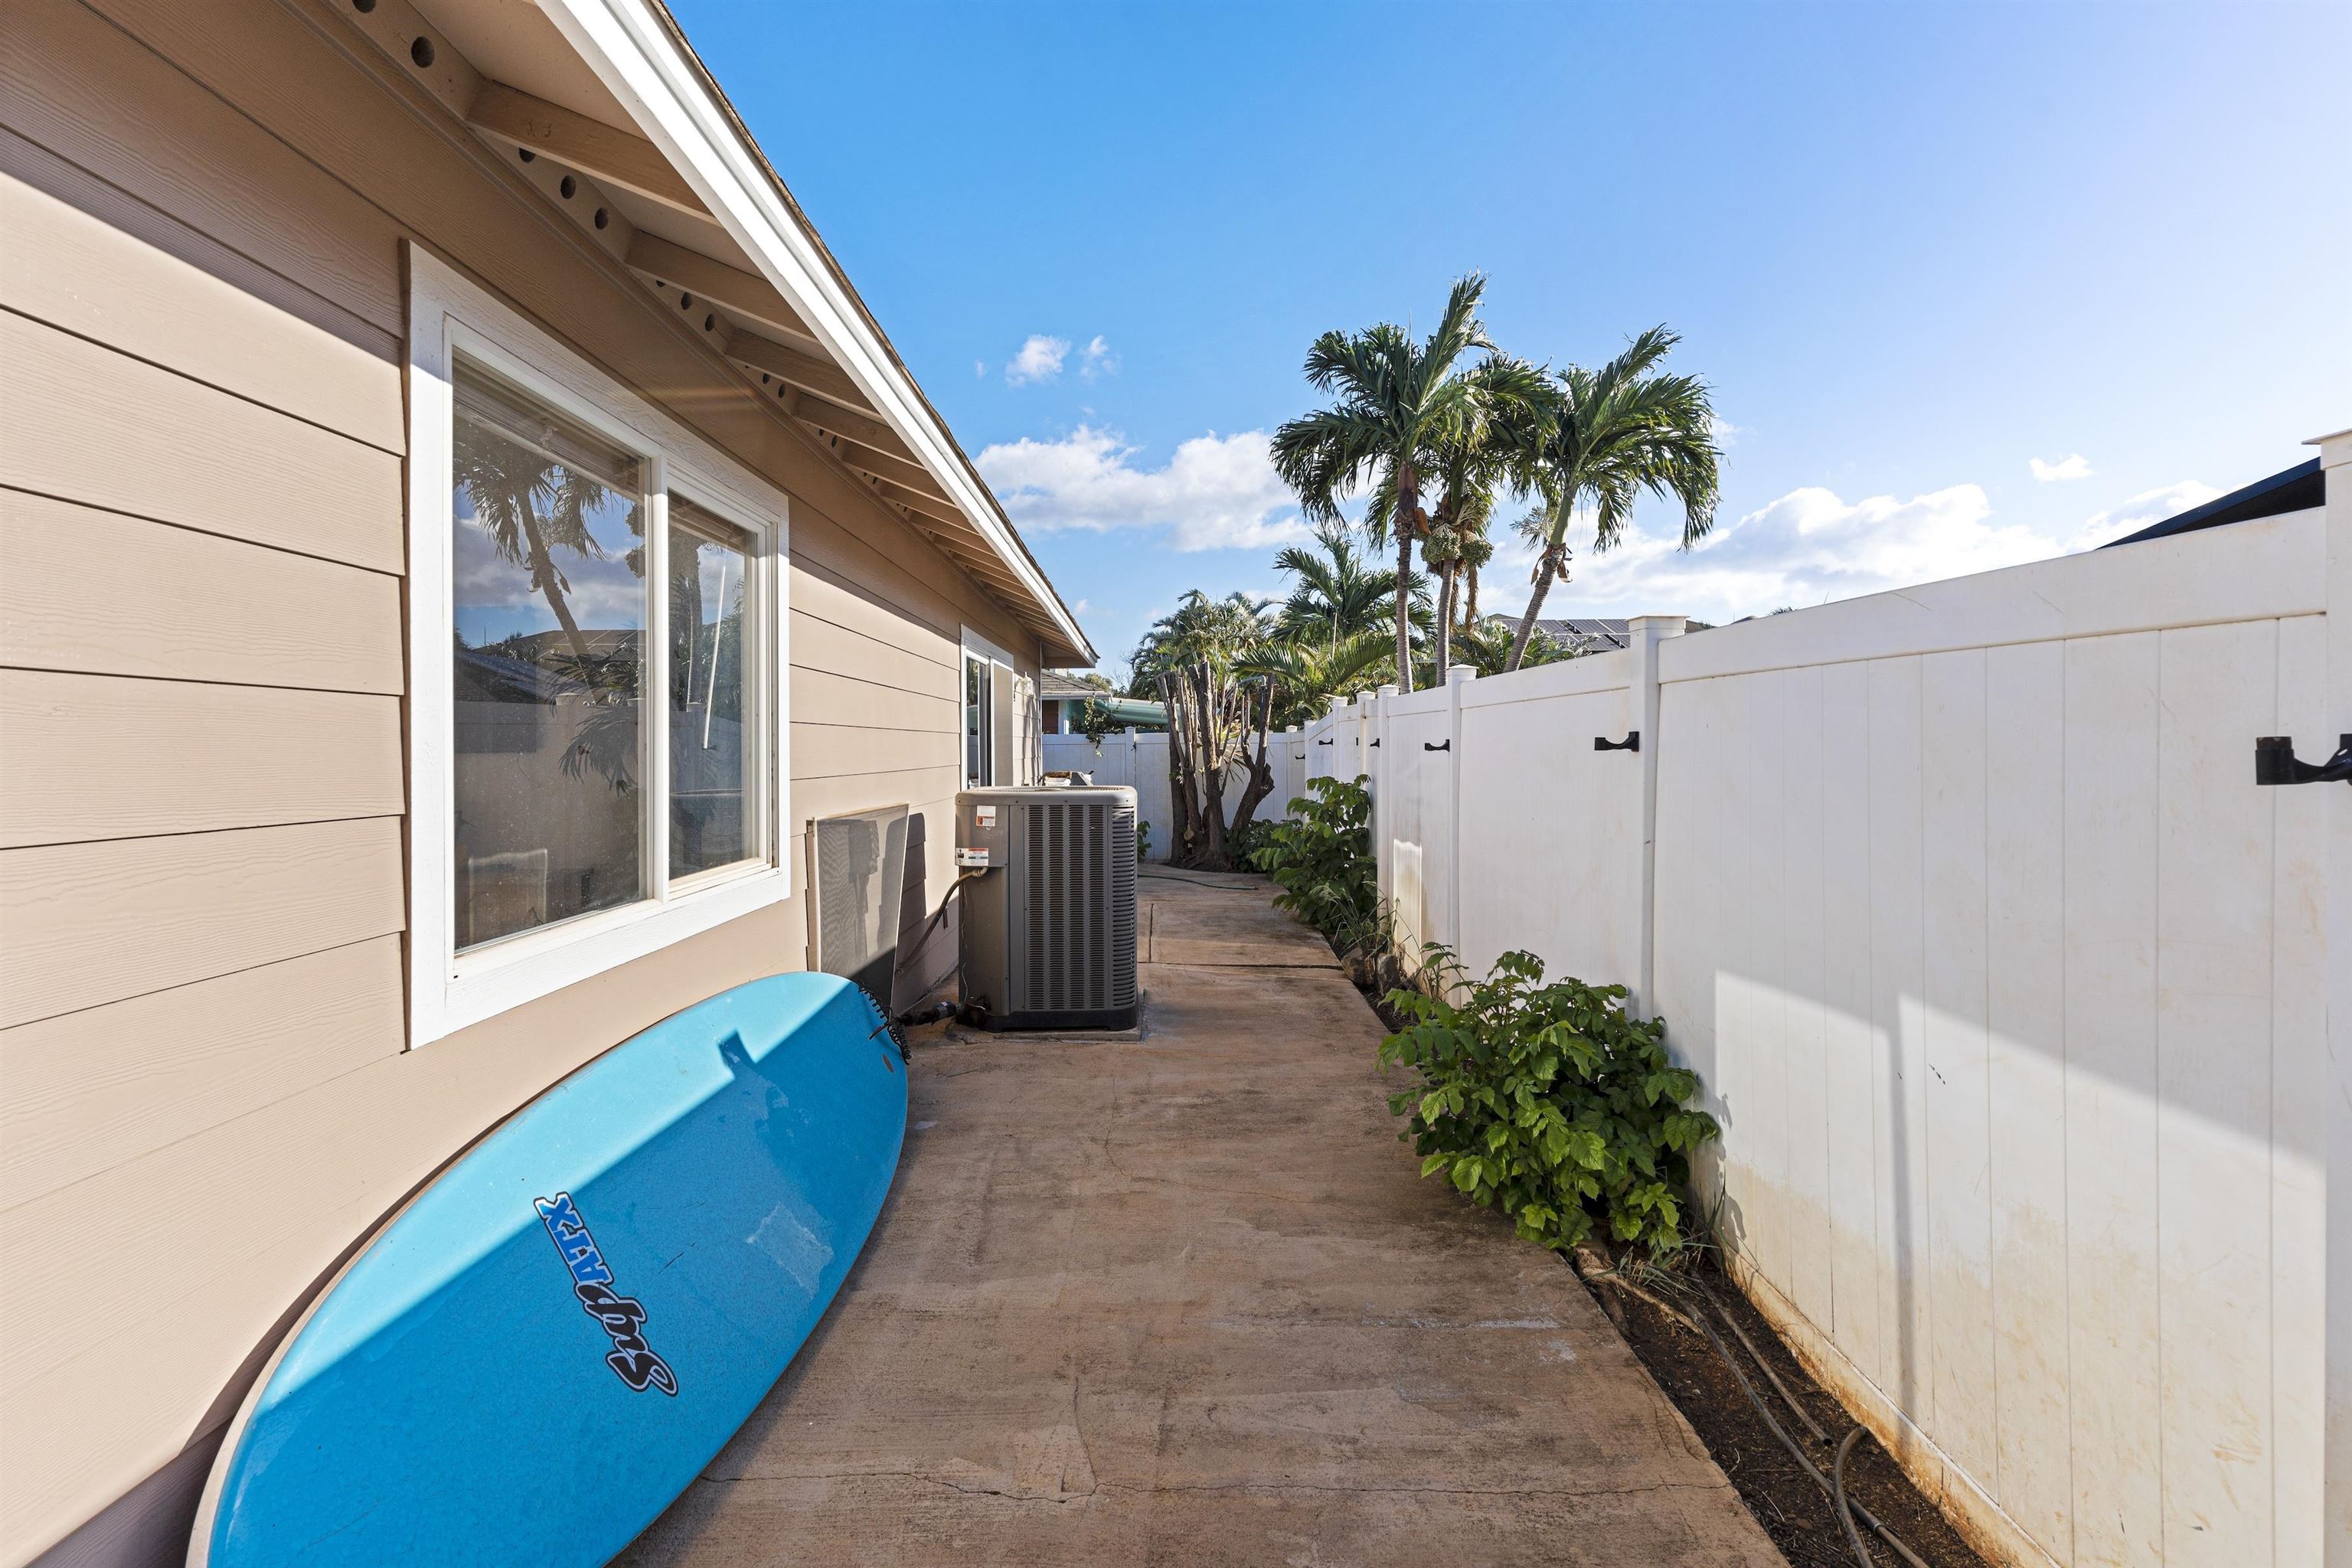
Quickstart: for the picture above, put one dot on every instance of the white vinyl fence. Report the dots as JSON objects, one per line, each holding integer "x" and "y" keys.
{"x": 1141, "y": 760}
{"x": 2010, "y": 988}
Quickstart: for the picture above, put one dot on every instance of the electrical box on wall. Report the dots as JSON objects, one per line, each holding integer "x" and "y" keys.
{"x": 1049, "y": 923}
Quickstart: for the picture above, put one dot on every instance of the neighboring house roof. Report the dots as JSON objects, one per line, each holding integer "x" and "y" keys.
{"x": 2290, "y": 489}
{"x": 610, "y": 94}
{"x": 1054, "y": 687}
{"x": 1581, "y": 635}
{"x": 1133, "y": 711}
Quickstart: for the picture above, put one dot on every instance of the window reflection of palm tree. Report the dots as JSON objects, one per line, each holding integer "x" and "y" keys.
{"x": 529, "y": 505}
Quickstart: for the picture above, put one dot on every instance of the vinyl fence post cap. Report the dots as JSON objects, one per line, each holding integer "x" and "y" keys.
{"x": 1460, "y": 674}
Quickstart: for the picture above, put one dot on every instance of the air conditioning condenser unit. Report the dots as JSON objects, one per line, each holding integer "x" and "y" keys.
{"x": 1049, "y": 918}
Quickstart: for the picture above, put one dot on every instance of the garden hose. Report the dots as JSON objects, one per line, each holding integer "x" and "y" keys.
{"x": 1833, "y": 1489}
{"x": 1196, "y": 881}
{"x": 1837, "y": 1489}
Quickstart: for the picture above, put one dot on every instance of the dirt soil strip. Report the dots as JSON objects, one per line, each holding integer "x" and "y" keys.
{"x": 1180, "y": 1296}
{"x": 1802, "y": 1521}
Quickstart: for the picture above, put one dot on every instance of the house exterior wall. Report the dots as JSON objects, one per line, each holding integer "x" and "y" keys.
{"x": 205, "y": 1100}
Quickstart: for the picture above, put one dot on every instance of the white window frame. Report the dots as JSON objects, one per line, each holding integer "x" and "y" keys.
{"x": 450, "y": 315}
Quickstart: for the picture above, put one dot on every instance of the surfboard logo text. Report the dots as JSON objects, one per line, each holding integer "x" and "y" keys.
{"x": 622, "y": 1317}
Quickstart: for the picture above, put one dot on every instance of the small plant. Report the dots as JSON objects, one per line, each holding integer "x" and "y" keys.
{"x": 1094, "y": 720}
{"x": 1244, "y": 843}
{"x": 1142, "y": 841}
{"x": 1548, "y": 1102}
{"x": 1322, "y": 859}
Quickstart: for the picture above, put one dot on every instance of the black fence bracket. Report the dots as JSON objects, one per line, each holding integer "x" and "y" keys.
{"x": 1632, "y": 742}
{"x": 1376, "y": 742}
{"x": 2276, "y": 764}
{"x": 1323, "y": 742}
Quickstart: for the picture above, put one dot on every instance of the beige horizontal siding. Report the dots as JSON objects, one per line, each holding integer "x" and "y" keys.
{"x": 82, "y": 924}
{"x": 103, "y": 101}
{"x": 43, "y": 170}
{"x": 820, "y": 697}
{"x": 91, "y": 425}
{"x": 92, "y": 1089}
{"x": 833, "y": 751}
{"x": 915, "y": 788}
{"x": 843, "y": 640}
{"x": 79, "y": 273}
{"x": 105, "y": 593}
{"x": 97, "y": 756}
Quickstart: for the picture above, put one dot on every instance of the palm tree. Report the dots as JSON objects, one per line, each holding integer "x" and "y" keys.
{"x": 1398, "y": 402}
{"x": 1486, "y": 647}
{"x": 1616, "y": 431}
{"x": 1303, "y": 676}
{"x": 1500, "y": 451}
{"x": 1474, "y": 552}
{"x": 1340, "y": 592}
{"x": 1194, "y": 657}
{"x": 531, "y": 506}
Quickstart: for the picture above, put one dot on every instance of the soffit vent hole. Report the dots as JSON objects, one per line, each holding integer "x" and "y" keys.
{"x": 686, "y": 302}
{"x": 570, "y": 187}
{"x": 709, "y": 322}
{"x": 421, "y": 51}
{"x": 602, "y": 217}
{"x": 525, "y": 153}
{"x": 363, "y": 7}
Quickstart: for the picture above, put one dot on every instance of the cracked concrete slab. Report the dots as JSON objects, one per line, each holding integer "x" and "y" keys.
{"x": 1180, "y": 1296}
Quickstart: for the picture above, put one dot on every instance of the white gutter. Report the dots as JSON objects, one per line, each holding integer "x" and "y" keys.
{"x": 634, "y": 55}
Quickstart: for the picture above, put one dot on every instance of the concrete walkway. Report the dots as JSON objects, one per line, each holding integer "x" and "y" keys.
{"x": 1184, "y": 1299}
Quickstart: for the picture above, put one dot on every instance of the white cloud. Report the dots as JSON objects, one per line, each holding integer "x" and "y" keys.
{"x": 1216, "y": 493}
{"x": 1808, "y": 547}
{"x": 1725, "y": 432}
{"x": 2148, "y": 507}
{"x": 1081, "y": 606}
{"x": 1096, "y": 358}
{"x": 2073, "y": 465}
{"x": 1040, "y": 359}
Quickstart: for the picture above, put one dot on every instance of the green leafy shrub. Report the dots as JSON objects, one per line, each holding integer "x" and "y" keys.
{"x": 1322, "y": 859}
{"x": 1550, "y": 1103}
{"x": 1254, "y": 835}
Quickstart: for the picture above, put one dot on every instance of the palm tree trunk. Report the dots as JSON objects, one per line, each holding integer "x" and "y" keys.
{"x": 1545, "y": 571}
{"x": 1444, "y": 618}
{"x": 1470, "y": 611}
{"x": 1404, "y": 604}
{"x": 542, "y": 571}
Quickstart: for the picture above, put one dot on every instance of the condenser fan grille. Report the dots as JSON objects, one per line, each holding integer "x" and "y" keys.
{"x": 1078, "y": 907}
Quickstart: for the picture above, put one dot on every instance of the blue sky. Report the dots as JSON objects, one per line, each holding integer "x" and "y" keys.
{"x": 1917, "y": 249}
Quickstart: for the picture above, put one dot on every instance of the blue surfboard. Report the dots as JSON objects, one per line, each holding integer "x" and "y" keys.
{"x": 530, "y": 1361}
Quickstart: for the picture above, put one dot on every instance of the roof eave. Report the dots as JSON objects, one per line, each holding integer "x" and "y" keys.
{"x": 637, "y": 51}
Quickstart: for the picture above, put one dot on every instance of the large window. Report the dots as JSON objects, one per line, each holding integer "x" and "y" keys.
{"x": 598, "y": 766}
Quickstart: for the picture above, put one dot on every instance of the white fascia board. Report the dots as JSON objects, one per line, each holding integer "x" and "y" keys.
{"x": 633, "y": 53}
